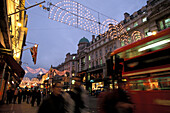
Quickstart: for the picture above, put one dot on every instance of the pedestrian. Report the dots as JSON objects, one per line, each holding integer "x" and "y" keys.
{"x": 34, "y": 95}
{"x": 79, "y": 95}
{"x": 44, "y": 94}
{"x": 114, "y": 101}
{"x": 24, "y": 94}
{"x": 19, "y": 96}
{"x": 9, "y": 96}
{"x": 15, "y": 95}
{"x": 12, "y": 95}
{"x": 28, "y": 96}
{"x": 38, "y": 97}
{"x": 58, "y": 101}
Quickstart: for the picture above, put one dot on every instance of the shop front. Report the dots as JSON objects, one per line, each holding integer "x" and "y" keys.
{"x": 11, "y": 74}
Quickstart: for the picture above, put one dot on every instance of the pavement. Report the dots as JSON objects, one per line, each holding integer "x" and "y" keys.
{"x": 27, "y": 108}
{"x": 18, "y": 108}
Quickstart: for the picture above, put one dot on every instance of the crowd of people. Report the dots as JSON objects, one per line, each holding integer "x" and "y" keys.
{"x": 73, "y": 101}
{"x": 17, "y": 95}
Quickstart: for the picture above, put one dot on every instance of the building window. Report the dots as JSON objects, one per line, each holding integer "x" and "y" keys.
{"x": 114, "y": 46}
{"x": 96, "y": 54}
{"x": 101, "y": 62}
{"x": 135, "y": 24}
{"x": 144, "y": 19}
{"x": 83, "y": 60}
{"x": 164, "y": 23}
{"x": 96, "y": 63}
{"x": 89, "y": 58}
{"x": 100, "y": 52}
{"x": 74, "y": 57}
{"x": 72, "y": 63}
{"x": 106, "y": 50}
{"x": 128, "y": 28}
{"x": 92, "y": 56}
{"x": 167, "y": 22}
{"x": 89, "y": 65}
{"x": 146, "y": 32}
{"x": 110, "y": 49}
{"x": 161, "y": 25}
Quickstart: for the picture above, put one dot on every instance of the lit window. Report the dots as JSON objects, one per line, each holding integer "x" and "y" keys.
{"x": 89, "y": 65}
{"x": 161, "y": 25}
{"x": 167, "y": 22}
{"x": 135, "y": 24}
{"x": 89, "y": 57}
{"x": 144, "y": 19}
{"x": 146, "y": 32}
{"x": 74, "y": 57}
{"x": 128, "y": 28}
{"x": 100, "y": 61}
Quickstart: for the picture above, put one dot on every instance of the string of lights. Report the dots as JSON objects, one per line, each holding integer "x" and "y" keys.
{"x": 77, "y": 15}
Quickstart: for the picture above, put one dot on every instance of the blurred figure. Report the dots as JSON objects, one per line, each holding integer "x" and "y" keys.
{"x": 38, "y": 97}
{"x": 44, "y": 94}
{"x": 19, "y": 96}
{"x": 24, "y": 93}
{"x": 34, "y": 95}
{"x": 9, "y": 96}
{"x": 12, "y": 95}
{"x": 15, "y": 95}
{"x": 58, "y": 101}
{"x": 79, "y": 96}
{"x": 114, "y": 101}
{"x": 28, "y": 96}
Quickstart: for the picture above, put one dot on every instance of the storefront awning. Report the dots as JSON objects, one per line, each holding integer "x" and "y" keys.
{"x": 16, "y": 68}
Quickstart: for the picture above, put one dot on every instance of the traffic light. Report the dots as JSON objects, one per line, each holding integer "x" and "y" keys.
{"x": 118, "y": 67}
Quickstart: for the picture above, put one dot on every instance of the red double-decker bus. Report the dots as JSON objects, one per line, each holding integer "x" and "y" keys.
{"x": 146, "y": 67}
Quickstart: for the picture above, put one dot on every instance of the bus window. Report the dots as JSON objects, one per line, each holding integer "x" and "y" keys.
{"x": 163, "y": 82}
{"x": 139, "y": 85}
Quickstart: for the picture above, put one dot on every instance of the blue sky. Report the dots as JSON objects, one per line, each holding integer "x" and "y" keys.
{"x": 56, "y": 39}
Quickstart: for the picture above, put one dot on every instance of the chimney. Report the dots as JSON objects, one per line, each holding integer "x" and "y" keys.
{"x": 126, "y": 15}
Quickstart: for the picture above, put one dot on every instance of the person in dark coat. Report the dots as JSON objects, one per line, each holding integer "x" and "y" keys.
{"x": 34, "y": 95}
{"x": 38, "y": 97}
{"x": 15, "y": 95}
{"x": 28, "y": 96}
{"x": 9, "y": 96}
{"x": 19, "y": 96}
{"x": 57, "y": 102}
{"x": 24, "y": 92}
{"x": 80, "y": 97}
{"x": 114, "y": 101}
{"x": 12, "y": 95}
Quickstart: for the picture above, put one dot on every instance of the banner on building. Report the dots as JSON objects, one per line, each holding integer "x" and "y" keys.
{"x": 34, "y": 53}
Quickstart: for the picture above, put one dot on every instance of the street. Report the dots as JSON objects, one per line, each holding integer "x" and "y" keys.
{"x": 27, "y": 108}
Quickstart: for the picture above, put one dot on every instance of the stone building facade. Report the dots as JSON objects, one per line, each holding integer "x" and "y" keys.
{"x": 91, "y": 61}
{"x": 13, "y": 31}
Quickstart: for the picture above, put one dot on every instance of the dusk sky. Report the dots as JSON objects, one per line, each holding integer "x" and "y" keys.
{"x": 56, "y": 39}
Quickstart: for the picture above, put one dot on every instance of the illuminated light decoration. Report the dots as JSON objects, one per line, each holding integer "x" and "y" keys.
{"x": 34, "y": 71}
{"x": 60, "y": 73}
{"x": 77, "y": 15}
{"x": 154, "y": 45}
{"x": 136, "y": 35}
{"x": 71, "y": 7}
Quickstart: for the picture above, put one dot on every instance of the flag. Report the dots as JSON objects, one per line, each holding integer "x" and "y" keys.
{"x": 34, "y": 53}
